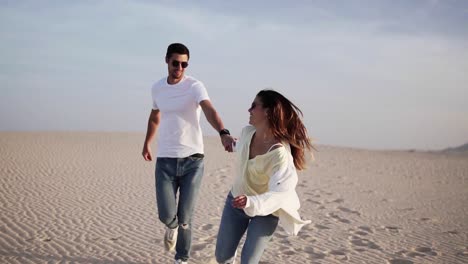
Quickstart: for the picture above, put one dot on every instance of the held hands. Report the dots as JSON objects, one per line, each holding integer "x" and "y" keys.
{"x": 239, "y": 202}
{"x": 228, "y": 142}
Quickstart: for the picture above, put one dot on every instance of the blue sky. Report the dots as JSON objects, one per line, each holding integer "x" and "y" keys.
{"x": 369, "y": 74}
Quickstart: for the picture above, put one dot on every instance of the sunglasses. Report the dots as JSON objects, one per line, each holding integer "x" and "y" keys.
{"x": 176, "y": 63}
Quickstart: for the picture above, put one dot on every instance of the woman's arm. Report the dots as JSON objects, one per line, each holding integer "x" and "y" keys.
{"x": 282, "y": 185}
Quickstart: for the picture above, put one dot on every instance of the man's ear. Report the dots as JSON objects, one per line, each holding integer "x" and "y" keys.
{"x": 167, "y": 59}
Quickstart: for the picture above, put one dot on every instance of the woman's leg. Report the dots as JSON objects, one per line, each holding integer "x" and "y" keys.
{"x": 260, "y": 231}
{"x": 234, "y": 222}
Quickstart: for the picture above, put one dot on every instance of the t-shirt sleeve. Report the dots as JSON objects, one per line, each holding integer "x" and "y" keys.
{"x": 200, "y": 92}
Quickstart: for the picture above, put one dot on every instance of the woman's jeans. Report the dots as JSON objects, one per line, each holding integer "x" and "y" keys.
{"x": 183, "y": 175}
{"x": 234, "y": 223}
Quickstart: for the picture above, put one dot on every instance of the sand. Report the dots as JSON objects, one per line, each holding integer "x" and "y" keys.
{"x": 89, "y": 198}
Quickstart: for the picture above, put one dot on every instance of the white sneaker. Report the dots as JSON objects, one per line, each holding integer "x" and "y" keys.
{"x": 179, "y": 261}
{"x": 170, "y": 238}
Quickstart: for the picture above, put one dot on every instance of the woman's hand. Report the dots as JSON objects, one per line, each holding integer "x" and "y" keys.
{"x": 239, "y": 202}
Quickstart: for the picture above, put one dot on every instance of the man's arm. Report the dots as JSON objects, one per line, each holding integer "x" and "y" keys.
{"x": 153, "y": 123}
{"x": 215, "y": 121}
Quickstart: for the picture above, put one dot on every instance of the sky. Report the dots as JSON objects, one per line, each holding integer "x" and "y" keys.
{"x": 365, "y": 73}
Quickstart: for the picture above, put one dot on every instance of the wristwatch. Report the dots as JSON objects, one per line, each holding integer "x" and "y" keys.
{"x": 224, "y": 132}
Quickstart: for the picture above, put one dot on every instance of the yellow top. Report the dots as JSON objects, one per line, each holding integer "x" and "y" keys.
{"x": 269, "y": 182}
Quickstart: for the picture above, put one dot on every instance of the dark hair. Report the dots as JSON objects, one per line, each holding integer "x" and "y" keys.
{"x": 178, "y": 48}
{"x": 284, "y": 119}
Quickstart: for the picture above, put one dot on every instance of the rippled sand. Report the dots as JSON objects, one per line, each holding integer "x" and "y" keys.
{"x": 89, "y": 198}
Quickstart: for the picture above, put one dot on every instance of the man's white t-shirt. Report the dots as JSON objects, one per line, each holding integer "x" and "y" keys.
{"x": 179, "y": 132}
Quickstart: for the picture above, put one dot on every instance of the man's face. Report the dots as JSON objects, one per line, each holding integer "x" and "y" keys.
{"x": 175, "y": 65}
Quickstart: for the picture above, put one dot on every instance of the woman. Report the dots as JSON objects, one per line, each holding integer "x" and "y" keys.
{"x": 263, "y": 193}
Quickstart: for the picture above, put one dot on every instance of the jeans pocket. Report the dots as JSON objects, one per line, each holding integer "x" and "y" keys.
{"x": 195, "y": 158}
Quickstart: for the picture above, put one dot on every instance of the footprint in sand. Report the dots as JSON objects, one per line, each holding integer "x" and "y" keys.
{"x": 399, "y": 261}
{"x": 363, "y": 242}
{"x": 339, "y": 254}
{"x": 308, "y": 228}
{"x": 452, "y": 232}
{"x": 366, "y": 228}
{"x": 357, "y": 240}
{"x": 199, "y": 247}
{"x": 206, "y": 227}
{"x": 289, "y": 253}
{"x": 359, "y": 232}
{"x": 419, "y": 252}
{"x": 313, "y": 201}
{"x": 392, "y": 229}
{"x": 464, "y": 252}
{"x": 409, "y": 209}
{"x": 338, "y": 218}
{"x": 339, "y": 200}
{"x": 314, "y": 255}
{"x": 428, "y": 251}
{"x": 322, "y": 227}
{"x": 307, "y": 237}
{"x": 414, "y": 254}
{"x": 283, "y": 248}
{"x": 278, "y": 235}
{"x": 347, "y": 210}
{"x": 208, "y": 239}
{"x": 286, "y": 241}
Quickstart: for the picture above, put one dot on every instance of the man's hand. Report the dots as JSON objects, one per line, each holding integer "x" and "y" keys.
{"x": 239, "y": 202}
{"x": 228, "y": 141}
{"x": 147, "y": 153}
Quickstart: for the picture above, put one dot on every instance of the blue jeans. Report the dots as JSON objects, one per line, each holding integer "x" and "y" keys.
{"x": 234, "y": 223}
{"x": 183, "y": 175}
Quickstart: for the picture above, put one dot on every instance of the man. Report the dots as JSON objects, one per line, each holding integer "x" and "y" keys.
{"x": 177, "y": 100}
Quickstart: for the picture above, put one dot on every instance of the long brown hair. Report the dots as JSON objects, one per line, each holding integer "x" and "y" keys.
{"x": 286, "y": 124}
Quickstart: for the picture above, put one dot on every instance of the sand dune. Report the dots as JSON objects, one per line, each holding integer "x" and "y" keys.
{"x": 89, "y": 198}
{"x": 460, "y": 149}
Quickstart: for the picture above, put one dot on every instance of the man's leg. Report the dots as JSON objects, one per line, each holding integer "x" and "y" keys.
{"x": 233, "y": 224}
{"x": 166, "y": 189}
{"x": 189, "y": 176}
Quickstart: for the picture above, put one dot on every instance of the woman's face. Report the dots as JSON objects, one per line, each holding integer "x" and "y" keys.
{"x": 258, "y": 114}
